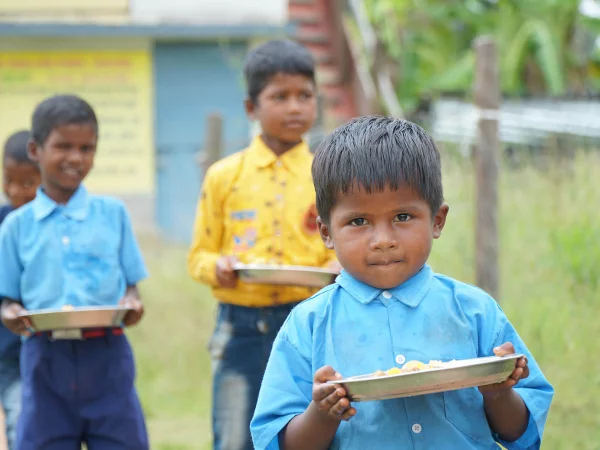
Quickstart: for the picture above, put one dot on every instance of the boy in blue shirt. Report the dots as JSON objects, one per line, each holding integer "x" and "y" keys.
{"x": 68, "y": 247}
{"x": 380, "y": 202}
{"x": 21, "y": 178}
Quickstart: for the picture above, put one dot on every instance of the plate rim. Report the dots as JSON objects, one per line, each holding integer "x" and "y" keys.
{"x": 48, "y": 311}
{"x": 366, "y": 378}
{"x": 284, "y": 268}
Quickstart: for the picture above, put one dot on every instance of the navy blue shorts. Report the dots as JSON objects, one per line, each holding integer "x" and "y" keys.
{"x": 78, "y": 391}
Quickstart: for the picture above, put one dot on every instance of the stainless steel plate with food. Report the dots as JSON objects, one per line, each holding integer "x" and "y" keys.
{"x": 285, "y": 275}
{"x": 76, "y": 317}
{"x": 429, "y": 378}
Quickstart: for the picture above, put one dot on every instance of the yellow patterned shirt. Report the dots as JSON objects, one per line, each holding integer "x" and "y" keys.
{"x": 260, "y": 209}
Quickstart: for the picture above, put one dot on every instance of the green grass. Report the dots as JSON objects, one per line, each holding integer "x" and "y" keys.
{"x": 550, "y": 289}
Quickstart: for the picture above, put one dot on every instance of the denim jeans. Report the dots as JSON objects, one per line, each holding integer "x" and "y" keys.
{"x": 240, "y": 348}
{"x": 10, "y": 396}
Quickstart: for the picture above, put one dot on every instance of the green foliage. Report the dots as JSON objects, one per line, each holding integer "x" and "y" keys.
{"x": 431, "y": 42}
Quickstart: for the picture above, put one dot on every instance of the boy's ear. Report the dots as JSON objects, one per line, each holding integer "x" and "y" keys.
{"x": 325, "y": 233}
{"x": 250, "y": 107}
{"x": 33, "y": 150}
{"x": 439, "y": 220}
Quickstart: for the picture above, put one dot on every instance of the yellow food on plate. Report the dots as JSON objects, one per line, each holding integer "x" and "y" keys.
{"x": 410, "y": 366}
{"x": 68, "y": 308}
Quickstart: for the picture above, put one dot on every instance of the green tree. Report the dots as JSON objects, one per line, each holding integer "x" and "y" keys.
{"x": 546, "y": 46}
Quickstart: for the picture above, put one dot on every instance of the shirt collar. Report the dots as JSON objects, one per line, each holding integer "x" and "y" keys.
{"x": 262, "y": 156}
{"x": 76, "y": 208}
{"x": 411, "y": 292}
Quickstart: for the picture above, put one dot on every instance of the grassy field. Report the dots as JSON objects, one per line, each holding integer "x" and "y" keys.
{"x": 550, "y": 289}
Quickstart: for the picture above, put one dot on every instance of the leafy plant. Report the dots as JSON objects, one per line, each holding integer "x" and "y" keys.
{"x": 545, "y": 46}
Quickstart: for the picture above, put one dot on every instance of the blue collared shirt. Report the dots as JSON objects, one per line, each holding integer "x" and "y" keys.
{"x": 358, "y": 329}
{"x": 83, "y": 253}
{"x": 10, "y": 344}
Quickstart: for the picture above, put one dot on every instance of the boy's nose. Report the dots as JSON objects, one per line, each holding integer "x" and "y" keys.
{"x": 384, "y": 240}
{"x": 74, "y": 156}
{"x": 293, "y": 105}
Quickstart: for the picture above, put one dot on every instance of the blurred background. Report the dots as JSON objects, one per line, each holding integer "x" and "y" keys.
{"x": 165, "y": 79}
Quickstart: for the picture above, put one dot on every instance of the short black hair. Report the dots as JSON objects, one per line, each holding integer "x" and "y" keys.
{"x": 374, "y": 152}
{"x": 278, "y": 56}
{"x": 15, "y": 148}
{"x": 61, "y": 110}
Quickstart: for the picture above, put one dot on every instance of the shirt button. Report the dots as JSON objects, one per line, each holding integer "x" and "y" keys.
{"x": 417, "y": 428}
{"x": 386, "y": 294}
{"x": 278, "y": 163}
{"x": 400, "y": 359}
{"x": 66, "y": 240}
{"x": 279, "y": 197}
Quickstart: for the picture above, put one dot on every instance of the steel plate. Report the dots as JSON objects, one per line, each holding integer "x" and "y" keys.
{"x": 456, "y": 375}
{"x": 285, "y": 275}
{"x": 81, "y": 317}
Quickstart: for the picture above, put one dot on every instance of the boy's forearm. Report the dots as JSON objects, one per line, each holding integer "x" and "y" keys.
{"x": 507, "y": 414}
{"x": 308, "y": 431}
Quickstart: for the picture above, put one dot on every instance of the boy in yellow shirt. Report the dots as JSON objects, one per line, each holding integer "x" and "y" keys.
{"x": 258, "y": 206}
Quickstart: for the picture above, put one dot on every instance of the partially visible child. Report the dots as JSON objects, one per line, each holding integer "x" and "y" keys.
{"x": 21, "y": 178}
{"x": 258, "y": 206}
{"x": 67, "y": 247}
{"x": 380, "y": 201}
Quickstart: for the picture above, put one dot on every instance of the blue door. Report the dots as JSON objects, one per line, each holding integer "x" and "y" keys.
{"x": 192, "y": 80}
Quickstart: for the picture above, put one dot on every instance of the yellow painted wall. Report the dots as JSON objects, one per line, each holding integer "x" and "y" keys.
{"x": 118, "y": 85}
{"x": 60, "y": 6}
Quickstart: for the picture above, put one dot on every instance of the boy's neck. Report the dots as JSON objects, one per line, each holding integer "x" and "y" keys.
{"x": 60, "y": 196}
{"x": 277, "y": 146}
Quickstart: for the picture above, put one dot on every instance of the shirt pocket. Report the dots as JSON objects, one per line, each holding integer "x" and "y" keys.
{"x": 464, "y": 410}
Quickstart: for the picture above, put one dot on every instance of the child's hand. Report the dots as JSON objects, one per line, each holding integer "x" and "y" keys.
{"x": 11, "y": 318}
{"x": 226, "y": 276}
{"x": 137, "y": 310}
{"x": 521, "y": 371}
{"x": 331, "y": 399}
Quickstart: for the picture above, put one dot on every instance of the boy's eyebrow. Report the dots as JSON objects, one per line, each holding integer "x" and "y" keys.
{"x": 410, "y": 206}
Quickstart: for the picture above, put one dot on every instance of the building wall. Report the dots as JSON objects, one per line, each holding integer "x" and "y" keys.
{"x": 203, "y": 12}
{"x": 116, "y": 80}
{"x": 115, "y": 76}
{"x": 223, "y": 12}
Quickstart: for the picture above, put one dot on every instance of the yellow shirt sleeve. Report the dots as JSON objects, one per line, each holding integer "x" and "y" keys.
{"x": 208, "y": 233}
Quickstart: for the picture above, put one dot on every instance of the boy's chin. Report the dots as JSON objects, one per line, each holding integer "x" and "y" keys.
{"x": 384, "y": 280}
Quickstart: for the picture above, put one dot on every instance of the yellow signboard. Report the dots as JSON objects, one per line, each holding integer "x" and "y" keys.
{"x": 116, "y": 83}
{"x": 41, "y": 6}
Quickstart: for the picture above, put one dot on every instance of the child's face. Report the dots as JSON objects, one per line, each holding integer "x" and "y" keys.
{"x": 21, "y": 180}
{"x": 382, "y": 238}
{"x": 286, "y": 108}
{"x": 66, "y": 157}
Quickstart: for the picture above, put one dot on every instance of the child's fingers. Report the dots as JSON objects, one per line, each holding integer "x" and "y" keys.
{"x": 332, "y": 398}
{"x": 325, "y": 374}
{"x": 505, "y": 349}
{"x": 338, "y": 409}
{"x": 517, "y": 374}
{"x": 348, "y": 414}
{"x": 323, "y": 391}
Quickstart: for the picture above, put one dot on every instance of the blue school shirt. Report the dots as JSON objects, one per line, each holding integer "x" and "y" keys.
{"x": 358, "y": 329}
{"x": 83, "y": 253}
{"x": 10, "y": 344}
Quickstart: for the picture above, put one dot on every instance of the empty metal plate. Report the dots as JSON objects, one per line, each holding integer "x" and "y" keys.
{"x": 80, "y": 317}
{"x": 455, "y": 375}
{"x": 285, "y": 275}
